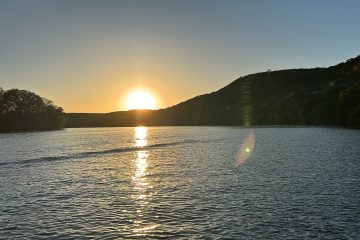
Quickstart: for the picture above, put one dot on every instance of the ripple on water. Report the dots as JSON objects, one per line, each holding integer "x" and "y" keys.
{"x": 181, "y": 182}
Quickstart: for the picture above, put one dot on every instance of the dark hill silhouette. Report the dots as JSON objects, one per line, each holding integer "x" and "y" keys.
{"x": 318, "y": 96}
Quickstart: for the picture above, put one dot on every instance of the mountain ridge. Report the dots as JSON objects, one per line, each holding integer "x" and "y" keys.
{"x": 313, "y": 96}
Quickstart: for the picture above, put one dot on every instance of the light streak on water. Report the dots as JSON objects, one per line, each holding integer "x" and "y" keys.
{"x": 140, "y": 136}
{"x": 141, "y": 185}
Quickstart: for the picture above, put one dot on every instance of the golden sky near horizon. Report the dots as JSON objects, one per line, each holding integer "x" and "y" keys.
{"x": 89, "y": 56}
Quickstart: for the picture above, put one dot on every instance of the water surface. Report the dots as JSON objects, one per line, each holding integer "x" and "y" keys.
{"x": 181, "y": 183}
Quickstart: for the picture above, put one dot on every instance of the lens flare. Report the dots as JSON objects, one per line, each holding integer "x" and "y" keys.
{"x": 246, "y": 149}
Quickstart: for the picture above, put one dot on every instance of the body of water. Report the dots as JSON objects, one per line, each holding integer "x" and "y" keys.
{"x": 181, "y": 183}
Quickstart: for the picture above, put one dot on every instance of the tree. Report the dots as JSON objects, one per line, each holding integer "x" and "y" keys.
{"x": 22, "y": 110}
{"x": 354, "y": 119}
{"x": 348, "y": 100}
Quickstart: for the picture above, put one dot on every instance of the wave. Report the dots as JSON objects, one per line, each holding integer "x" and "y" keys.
{"x": 92, "y": 153}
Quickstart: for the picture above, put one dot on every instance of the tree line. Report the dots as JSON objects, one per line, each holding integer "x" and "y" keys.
{"x": 22, "y": 110}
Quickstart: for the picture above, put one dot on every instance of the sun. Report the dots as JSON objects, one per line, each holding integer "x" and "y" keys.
{"x": 140, "y": 100}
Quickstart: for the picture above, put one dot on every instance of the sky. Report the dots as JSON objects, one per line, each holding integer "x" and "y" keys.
{"x": 88, "y": 56}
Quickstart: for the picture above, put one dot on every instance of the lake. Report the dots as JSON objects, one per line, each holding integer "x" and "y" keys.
{"x": 181, "y": 183}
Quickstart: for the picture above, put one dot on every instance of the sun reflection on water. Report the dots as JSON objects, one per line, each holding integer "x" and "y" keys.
{"x": 140, "y": 136}
{"x": 141, "y": 162}
{"x": 140, "y": 182}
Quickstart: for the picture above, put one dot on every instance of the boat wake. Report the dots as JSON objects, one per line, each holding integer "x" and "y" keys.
{"x": 94, "y": 153}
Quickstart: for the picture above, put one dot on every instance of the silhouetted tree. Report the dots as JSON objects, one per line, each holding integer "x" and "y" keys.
{"x": 22, "y": 110}
{"x": 354, "y": 119}
{"x": 348, "y": 101}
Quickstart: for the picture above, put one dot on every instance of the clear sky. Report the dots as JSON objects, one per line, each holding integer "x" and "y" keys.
{"x": 87, "y": 56}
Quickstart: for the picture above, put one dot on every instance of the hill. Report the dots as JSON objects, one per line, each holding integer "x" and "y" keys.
{"x": 317, "y": 96}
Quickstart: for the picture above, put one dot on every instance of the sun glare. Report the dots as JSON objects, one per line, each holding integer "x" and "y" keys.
{"x": 140, "y": 100}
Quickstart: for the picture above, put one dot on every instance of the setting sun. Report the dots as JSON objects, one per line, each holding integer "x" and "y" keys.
{"x": 140, "y": 100}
